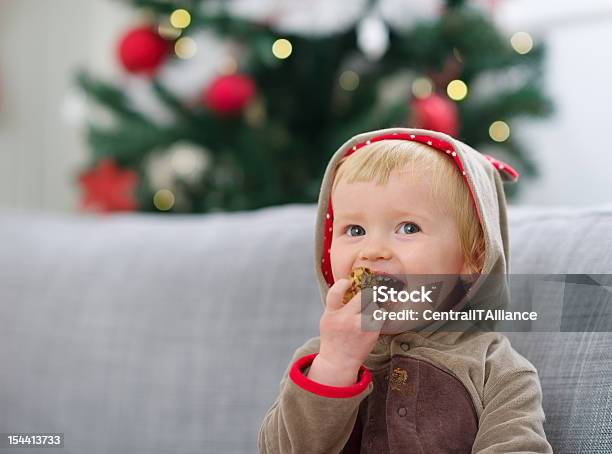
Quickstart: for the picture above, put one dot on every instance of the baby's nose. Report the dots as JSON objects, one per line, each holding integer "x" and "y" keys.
{"x": 376, "y": 250}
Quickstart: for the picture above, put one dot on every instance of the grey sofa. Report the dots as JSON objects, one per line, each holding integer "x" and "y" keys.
{"x": 169, "y": 334}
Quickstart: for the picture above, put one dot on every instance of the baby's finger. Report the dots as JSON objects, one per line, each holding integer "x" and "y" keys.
{"x": 354, "y": 304}
{"x": 372, "y": 317}
{"x": 333, "y": 300}
{"x": 360, "y": 301}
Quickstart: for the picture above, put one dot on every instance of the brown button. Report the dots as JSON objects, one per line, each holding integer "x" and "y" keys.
{"x": 405, "y": 346}
{"x": 402, "y": 411}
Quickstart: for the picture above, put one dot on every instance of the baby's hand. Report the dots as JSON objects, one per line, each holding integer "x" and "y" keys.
{"x": 343, "y": 344}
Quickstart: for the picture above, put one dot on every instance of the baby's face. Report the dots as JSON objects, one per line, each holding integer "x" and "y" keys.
{"x": 394, "y": 228}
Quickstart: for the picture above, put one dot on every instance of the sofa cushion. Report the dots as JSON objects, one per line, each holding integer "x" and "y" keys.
{"x": 575, "y": 368}
{"x": 151, "y": 333}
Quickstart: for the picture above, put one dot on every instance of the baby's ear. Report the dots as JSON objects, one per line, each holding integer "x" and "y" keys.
{"x": 507, "y": 172}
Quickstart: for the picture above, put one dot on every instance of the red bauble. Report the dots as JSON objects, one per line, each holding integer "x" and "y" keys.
{"x": 142, "y": 50}
{"x": 436, "y": 113}
{"x": 228, "y": 95}
{"x": 108, "y": 188}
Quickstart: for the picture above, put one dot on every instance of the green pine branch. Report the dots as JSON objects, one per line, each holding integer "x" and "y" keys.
{"x": 109, "y": 96}
{"x": 307, "y": 114}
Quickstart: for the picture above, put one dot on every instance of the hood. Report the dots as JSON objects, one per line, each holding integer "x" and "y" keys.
{"x": 484, "y": 176}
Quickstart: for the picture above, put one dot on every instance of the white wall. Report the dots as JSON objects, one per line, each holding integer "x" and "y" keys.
{"x": 41, "y": 45}
{"x": 572, "y": 150}
{"x": 43, "y": 42}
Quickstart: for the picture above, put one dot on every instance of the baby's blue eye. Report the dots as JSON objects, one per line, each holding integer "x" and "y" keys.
{"x": 353, "y": 230}
{"x": 413, "y": 228}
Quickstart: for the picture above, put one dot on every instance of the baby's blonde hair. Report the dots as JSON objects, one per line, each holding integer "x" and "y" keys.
{"x": 376, "y": 161}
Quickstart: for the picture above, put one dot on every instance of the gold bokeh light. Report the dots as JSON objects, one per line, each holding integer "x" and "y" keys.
{"x": 168, "y": 32}
{"x": 282, "y": 48}
{"x": 422, "y": 87}
{"x": 228, "y": 65}
{"x": 457, "y": 90}
{"x": 180, "y": 18}
{"x": 499, "y": 131}
{"x": 349, "y": 80}
{"x": 185, "y": 48}
{"x": 163, "y": 199}
{"x": 521, "y": 42}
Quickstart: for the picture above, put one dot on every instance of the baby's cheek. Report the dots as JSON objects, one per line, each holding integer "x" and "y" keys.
{"x": 336, "y": 264}
{"x": 334, "y": 268}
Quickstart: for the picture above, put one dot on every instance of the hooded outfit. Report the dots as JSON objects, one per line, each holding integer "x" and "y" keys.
{"x": 437, "y": 389}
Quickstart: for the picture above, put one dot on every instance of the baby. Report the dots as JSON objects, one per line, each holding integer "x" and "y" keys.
{"x": 408, "y": 202}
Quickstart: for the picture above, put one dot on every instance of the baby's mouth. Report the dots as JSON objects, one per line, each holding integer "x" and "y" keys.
{"x": 389, "y": 276}
{"x": 397, "y": 279}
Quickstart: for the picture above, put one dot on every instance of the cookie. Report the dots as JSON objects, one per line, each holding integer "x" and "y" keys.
{"x": 363, "y": 277}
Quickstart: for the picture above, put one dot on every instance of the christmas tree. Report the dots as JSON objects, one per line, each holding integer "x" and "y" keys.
{"x": 261, "y": 130}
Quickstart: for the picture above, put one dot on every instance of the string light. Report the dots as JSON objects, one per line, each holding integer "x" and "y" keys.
{"x": 168, "y": 32}
{"x": 163, "y": 199}
{"x": 521, "y": 42}
{"x": 282, "y": 48}
{"x": 457, "y": 55}
{"x": 349, "y": 80}
{"x": 183, "y": 161}
{"x": 185, "y": 48}
{"x": 180, "y": 18}
{"x": 457, "y": 90}
{"x": 422, "y": 87}
{"x": 372, "y": 36}
{"x": 228, "y": 65}
{"x": 499, "y": 131}
{"x": 255, "y": 113}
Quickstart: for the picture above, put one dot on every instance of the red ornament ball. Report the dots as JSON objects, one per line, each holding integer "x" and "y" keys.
{"x": 228, "y": 95}
{"x": 436, "y": 113}
{"x": 142, "y": 50}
